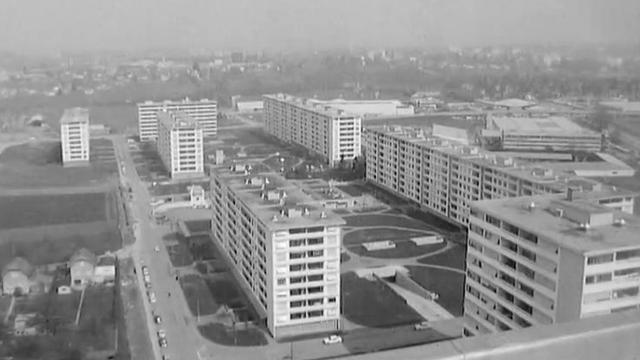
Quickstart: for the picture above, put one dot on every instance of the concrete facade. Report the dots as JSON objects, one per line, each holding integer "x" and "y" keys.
{"x": 74, "y": 137}
{"x": 444, "y": 176}
{"x": 204, "y": 111}
{"x": 180, "y": 144}
{"x": 284, "y": 252}
{"x": 548, "y": 259}
{"x": 326, "y": 131}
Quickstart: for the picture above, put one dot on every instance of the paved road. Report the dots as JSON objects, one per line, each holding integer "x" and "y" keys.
{"x": 183, "y": 340}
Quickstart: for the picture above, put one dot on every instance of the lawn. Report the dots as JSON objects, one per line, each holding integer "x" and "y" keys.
{"x": 198, "y": 226}
{"x": 224, "y": 290}
{"x": 371, "y": 339}
{"x": 403, "y": 249}
{"x": 198, "y": 296}
{"x": 374, "y": 304}
{"x": 39, "y": 164}
{"x": 223, "y": 335}
{"x": 404, "y": 246}
{"x": 38, "y": 210}
{"x": 448, "y": 284}
{"x": 179, "y": 253}
{"x": 386, "y": 220}
{"x": 454, "y": 257}
{"x": 359, "y": 236}
{"x": 353, "y": 189}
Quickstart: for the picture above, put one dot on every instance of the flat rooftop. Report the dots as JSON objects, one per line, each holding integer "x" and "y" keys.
{"x": 566, "y": 233}
{"x": 177, "y": 120}
{"x": 314, "y": 105}
{"x": 521, "y": 169}
{"x": 185, "y": 101}
{"x": 554, "y": 125}
{"x": 75, "y": 115}
{"x": 289, "y": 207}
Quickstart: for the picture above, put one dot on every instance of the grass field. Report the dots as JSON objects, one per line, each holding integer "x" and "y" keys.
{"x": 353, "y": 189}
{"x": 198, "y": 296}
{"x": 454, "y": 257}
{"x": 39, "y": 164}
{"x": 38, "y": 210}
{"x": 198, "y": 226}
{"x": 241, "y": 336}
{"x": 374, "y": 304}
{"x": 448, "y": 284}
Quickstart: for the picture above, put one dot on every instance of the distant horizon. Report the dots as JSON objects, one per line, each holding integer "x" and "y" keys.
{"x": 44, "y": 26}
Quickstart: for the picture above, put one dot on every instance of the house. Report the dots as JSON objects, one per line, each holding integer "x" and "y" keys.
{"x": 82, "y": 265}
{"x": 16, "y": 277}
{"x": 105, "y": 270}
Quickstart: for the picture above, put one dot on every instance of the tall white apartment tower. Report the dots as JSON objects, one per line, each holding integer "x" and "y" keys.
{"x": 284, "y": 249}
{"x": 204, "y": 111}
{"x": 180, "y": 144}
{"x": 323, "y": 129}
{"x": 74, "y": 136}
{"x": 548, "y": 259}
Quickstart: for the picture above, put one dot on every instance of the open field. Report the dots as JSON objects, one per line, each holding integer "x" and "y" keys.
{"x": 374, "y": 304}
{"x": 448, "y": 284}
{"x": 453, "y": 257}
{"x": 238, "y": 336}
{"x": 39, "y": 210}
{"x": 386, "y": 220}
{"x": 39, "y": 164}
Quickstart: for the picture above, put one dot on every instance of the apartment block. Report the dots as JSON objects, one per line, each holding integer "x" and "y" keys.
{"x": 444, "y": 177}
{"x": 554, "y": 133}
{"x": 548, "y": 259}
{"x": 74, "y": 137}
{"x": 324, "y": 130}
{"x": 180, "y": 144}
{"x": 204, "y": 111}
{"x": 284, "y": 250}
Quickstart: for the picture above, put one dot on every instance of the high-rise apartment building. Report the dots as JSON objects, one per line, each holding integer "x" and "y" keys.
{"x": 204, "y": 111}
{"x": 74, "y": 136}
{"x": 324, "y": 130}
{"x": 284, "y": 251}
{"x": 180, "y": 144}
{"x": 444, "y": 177}
{"x": 548, "y": 259}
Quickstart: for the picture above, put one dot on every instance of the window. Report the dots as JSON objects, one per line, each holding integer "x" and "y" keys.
{"x": 318, "y": 277}
{"x": 597, "y": 278}
{"x": 282, "y": 281}
{"x": 315, "y": 290}
{"x": 600, "y": 259}
{"x": 624, "y": 293}
{"x": 295, "y": 304}
{"x": 332, "y": 300}
{"x": 316, "y": 313}
{"x": 631, "y": 272}
{"x": 628, "y": 254}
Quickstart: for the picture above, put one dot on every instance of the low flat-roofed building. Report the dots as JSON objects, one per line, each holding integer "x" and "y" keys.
{"x": 369, "y": 108}
{"x": 547, "y": 259}
{"x": 180, "y": 144}
{"x": 284, "y": 250}
{"x": 549, "y": 134}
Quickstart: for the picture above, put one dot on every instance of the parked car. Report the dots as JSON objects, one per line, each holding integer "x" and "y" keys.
{"x": 157, "y": 319}
{"x": 332, "y": 339}
{"x": 145, "y": 270}
{"x": 162, "y": 334}
{"x": 422, "y": 326}
{"x": 152, "y": 297}
{"x": 163, "y": 342}
{"x": 157, "y": 248}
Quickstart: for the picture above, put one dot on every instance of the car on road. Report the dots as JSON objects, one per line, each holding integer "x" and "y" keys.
{"x": 162, "y": 334}
{"x": 163, "y": 342}
{"x": 145, "y": 270}
{"x": 156, "y": 248}
{"x": 332, "y": 339}
{"x": 422, "y": 326}
{"x": 157, "y": 319}
{"x": 152, "y": 297}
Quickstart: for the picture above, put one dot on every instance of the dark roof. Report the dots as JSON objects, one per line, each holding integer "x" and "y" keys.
{"x": 83, "y": 254}
{"x": 18, "y": 264}
{"x": 106, "y": 260}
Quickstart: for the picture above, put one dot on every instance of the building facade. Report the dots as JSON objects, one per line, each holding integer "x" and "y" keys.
{"x": 553, "y": 133}
{"x": 326, "y": 131}
{"x": 180, "y": 144}
{"x": 74, "y": 137}
{"x": 444, "y": 177}
{"x": 548, "y": 259}
{"x": 285, "y": 253}
{"x": 204, "y": 111}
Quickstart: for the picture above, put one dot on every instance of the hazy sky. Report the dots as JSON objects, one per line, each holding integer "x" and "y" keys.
{"x": 46, "y": 25}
